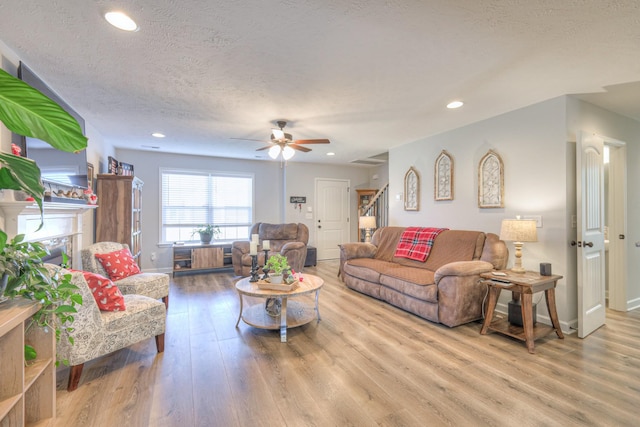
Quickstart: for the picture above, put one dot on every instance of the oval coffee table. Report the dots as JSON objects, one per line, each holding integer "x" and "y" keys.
{"x": 293, "y": 313}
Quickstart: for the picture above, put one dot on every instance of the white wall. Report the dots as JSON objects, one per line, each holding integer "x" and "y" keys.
{"x": 300, "y": 181}
{"x": 533, "y": 147}
{"x": 590, "y": 118}
{"x": 268, "y": 192}
{"x": 537, "y": 145}
{"x": 271, "y": 199}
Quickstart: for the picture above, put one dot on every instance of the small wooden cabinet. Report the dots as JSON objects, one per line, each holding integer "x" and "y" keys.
{"x": 364, "y": 197}
{"x": 119, "y": 209}
{"x": 27, "y": 393}
{"x": 200, "y": 257}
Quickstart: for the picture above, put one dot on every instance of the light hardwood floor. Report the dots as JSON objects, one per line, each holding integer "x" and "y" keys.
{"x": 365, "y": 364}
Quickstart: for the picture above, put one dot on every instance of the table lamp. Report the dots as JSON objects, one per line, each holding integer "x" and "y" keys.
{"x": 366, "y": 223}
{"x": 518, "y": 231}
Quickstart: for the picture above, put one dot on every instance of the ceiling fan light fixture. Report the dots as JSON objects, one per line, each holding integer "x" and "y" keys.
{"x": 288, "y": 152}
{"x": 274, "y": 152}
{"x": 278, "y": 134}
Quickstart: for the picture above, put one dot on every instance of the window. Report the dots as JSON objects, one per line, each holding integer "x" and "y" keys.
{"x": 193, "y": 198}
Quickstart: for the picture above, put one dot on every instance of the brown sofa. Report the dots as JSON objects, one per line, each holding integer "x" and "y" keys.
{"x": 289, "y": 240}
{"x": 444, "y": 289}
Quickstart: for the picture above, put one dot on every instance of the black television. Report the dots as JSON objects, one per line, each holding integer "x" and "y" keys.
{"x": 56, "y": 166}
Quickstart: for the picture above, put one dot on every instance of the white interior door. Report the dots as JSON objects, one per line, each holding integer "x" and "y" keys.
{"x": 617, "y": 222}
{"x": 590, "y": 224}
{"x": 332, "y": 216}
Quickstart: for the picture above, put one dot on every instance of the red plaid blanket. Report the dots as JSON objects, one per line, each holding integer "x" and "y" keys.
{"x": 416, "y": 242}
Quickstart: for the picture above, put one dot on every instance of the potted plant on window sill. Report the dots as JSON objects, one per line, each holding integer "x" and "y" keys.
{"x": 26, "y": 111}
{"x": 207, "y": 232}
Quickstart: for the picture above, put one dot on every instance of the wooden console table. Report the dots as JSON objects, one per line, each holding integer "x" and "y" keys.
{"x": 522, "y": 285}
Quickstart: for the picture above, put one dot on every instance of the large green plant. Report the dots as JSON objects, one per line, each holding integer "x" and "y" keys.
{"x": 26, "y": 111}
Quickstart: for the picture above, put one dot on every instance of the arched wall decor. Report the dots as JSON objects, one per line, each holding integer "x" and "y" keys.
{"x": 443, "y": 177}
{"x": 491, "y": 181}
{"x": 411, "y": 190}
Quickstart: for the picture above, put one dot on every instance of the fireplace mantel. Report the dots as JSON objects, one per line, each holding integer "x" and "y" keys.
{"x": 61, "y": 220}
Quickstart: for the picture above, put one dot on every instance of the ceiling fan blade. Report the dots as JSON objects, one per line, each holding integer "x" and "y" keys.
{"x": 299, "y": 148}
{"x": 264, "y": 148}
{"x": 247, "y": 139}
{"x": 311, "y": 141}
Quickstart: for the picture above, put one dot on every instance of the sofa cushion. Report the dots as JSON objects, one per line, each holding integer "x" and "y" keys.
{"x": 416, "y": 282}
{"x": 368, "y": 269}
{"x": 278, "y": 231}
{"x": 449, "y": 246}
{"x": 455, "y": 245}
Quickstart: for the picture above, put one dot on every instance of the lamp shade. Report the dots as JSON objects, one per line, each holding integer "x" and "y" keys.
{"x": 519, "y": 230}
{"x": 367, "y": 222}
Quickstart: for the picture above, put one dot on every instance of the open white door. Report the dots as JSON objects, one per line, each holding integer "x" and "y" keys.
{"x": 590, "y": 223}
{"x": 332, "y": 216}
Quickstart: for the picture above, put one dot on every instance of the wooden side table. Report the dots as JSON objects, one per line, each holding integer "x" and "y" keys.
{"x": 522, "y": 285}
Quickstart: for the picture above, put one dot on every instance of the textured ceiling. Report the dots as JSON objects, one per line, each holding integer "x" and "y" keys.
{"x": 367, "y": 74}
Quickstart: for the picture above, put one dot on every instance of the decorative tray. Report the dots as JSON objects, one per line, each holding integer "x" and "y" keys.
{"x": 277, "y": 286}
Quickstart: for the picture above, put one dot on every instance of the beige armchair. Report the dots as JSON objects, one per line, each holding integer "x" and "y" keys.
{"x": 289, "y": 240}
{"x": 153, "y": 285}
{"x": 97, "y": 333}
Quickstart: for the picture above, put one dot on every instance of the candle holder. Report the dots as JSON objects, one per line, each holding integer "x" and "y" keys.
{"x": 265, "y": 270}
{"x": 255, "y": 276}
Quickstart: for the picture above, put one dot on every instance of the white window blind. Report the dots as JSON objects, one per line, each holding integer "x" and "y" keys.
{"x": 193, "y": 198}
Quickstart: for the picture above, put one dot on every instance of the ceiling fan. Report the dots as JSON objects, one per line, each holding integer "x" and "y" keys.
{"x": 283, "y": 143}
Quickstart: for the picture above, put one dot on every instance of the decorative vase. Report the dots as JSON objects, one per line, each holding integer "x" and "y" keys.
{"x": 273, "y": 306}
{"x": 206, "y": 237}
{"x": 276, "y": 278}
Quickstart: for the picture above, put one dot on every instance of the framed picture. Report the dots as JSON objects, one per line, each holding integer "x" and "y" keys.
{"x": 90, "y": 175}
{"x": 443, "y": 177}
{"x": 491, "y": 181}
{"x": 112, "y": 166}
{"x": 411, "y": 190}
{"x": 125, "y": 169}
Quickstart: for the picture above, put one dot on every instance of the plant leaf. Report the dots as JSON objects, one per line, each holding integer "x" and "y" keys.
{"x": 20, "y": 173}
{"x": 26, "y": 111}
{"x": 29, "y": 353}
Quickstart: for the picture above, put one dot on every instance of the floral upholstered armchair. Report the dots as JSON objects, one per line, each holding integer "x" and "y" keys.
{"x": 153, "y": 285}
{"x": 97, "y": 332}
{"x": 289, "y": 240}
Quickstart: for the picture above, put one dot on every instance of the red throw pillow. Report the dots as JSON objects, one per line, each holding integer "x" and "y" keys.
{"x": 119, "y": 264}
{"x": 107, "y": 295}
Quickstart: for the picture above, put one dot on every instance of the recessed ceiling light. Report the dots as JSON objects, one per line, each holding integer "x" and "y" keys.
{"x": 121, "y": 21}
{"x": 158, "y": 135}
{"x": 331, "y": 153}
{"x": 455, "y": 104}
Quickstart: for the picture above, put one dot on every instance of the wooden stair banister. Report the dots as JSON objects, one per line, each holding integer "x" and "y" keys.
{"x": 377, "y": 200}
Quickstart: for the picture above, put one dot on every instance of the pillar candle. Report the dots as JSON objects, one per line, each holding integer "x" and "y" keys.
{"x": 266, "y": 244}
{"x": 254, "y": 238}
{"x": 253, "y": 248}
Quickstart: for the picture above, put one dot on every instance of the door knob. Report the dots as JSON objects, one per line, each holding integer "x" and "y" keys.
{"x": 319, "y": 226}
{"x": 590, "y": 244}
{"x": 574, "y": 243}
